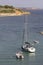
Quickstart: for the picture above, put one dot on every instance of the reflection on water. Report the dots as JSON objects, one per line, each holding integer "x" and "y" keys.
{"x": 31, "y": 56}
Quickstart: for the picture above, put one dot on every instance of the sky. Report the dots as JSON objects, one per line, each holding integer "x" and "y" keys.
{"x": 23, "y": 3}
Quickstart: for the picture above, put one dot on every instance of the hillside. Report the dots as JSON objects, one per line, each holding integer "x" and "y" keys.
{"x": 11, "y": 11}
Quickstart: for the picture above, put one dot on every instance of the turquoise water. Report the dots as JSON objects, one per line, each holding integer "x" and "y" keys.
{"x": 11, "y": 34}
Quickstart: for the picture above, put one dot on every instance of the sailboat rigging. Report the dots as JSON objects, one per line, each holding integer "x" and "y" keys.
{"x": 26, "y": 46}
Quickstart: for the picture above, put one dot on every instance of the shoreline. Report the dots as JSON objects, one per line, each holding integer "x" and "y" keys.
{"x": 7, "y": 10}
{"x": 9, "y": 14}
{"x": 14, "y": 14}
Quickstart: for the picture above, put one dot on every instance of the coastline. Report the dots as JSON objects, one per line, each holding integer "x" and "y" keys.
{"x": 8, "y": 14}
{"x": 14, "y": 14}
{"x": 7, "y": 10}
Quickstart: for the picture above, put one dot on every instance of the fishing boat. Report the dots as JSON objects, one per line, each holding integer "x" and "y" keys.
{"x": 19, "y": 55}
{"x": 26, "y": 45}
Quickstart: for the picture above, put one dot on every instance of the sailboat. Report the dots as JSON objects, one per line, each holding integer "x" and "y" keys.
{"x": 26, "y": 45}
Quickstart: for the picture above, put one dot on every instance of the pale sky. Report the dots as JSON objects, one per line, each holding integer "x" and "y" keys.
{"x": 23, "y": 3}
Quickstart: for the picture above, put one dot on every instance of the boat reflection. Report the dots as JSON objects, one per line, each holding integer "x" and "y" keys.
{"x": 31, "y": 54}
{"x": 32, "y": 57}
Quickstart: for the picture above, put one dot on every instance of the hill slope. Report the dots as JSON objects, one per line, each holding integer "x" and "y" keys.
{"x": 11, "y": 11}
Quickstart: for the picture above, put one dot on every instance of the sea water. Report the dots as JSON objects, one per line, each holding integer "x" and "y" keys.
{"x": 11, "y": 39}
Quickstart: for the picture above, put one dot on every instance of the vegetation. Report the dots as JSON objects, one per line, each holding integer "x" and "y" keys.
{"x": 10, "y": 9}
{"x": 19, "y": 10}
{"x": 7, "y": 9}
{"x": 6, "y": 6}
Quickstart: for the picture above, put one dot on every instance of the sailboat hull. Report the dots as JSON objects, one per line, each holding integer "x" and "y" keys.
{"x": 28, "y": 49}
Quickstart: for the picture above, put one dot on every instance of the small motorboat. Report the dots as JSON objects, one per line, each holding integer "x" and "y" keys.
{"x": 35, "y": 41}
{"x": 28, "y": 47}
{"x": 19, "y": 55}
{"x": 41, "y": 32}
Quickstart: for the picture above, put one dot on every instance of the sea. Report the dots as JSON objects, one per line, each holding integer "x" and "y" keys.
{"x": 11, "y": 38}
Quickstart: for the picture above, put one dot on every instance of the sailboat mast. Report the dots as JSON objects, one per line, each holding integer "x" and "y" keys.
{"x": 24, "y": 39}
{"x": 25, "y": 25}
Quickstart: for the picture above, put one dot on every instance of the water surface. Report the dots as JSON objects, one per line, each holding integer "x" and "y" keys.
{"x": 11, "y": 34}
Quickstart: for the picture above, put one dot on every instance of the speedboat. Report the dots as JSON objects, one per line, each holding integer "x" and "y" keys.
{"x": 19, "y": 55}
{"x": 28, "y": 47}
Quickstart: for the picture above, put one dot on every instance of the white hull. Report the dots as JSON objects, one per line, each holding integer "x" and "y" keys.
{"x": 31, "y": 49}
{"x": 19, "y": 56}
{"x": 28, "y": 49}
